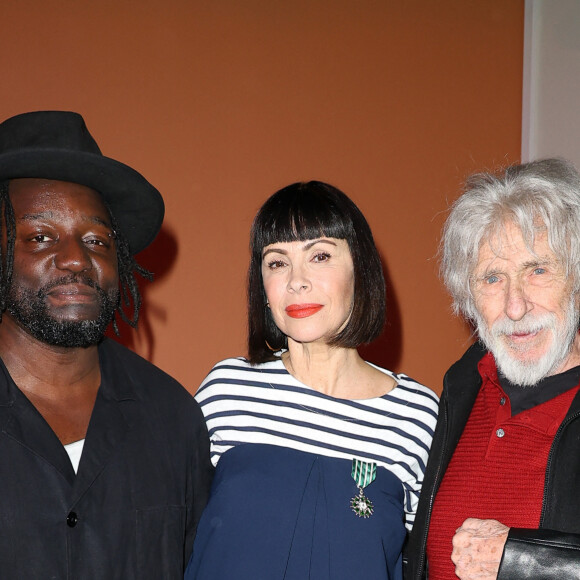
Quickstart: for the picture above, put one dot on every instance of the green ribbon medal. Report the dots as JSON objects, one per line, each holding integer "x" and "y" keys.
{"x": 363, "y": 473}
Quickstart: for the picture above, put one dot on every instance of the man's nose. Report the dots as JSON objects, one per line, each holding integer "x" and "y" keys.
{"x": 72, "y": 254}
{"x": 517, "y": 303}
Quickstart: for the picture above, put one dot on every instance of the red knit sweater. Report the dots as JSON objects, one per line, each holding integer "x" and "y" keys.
{"x": 497, "y": 471}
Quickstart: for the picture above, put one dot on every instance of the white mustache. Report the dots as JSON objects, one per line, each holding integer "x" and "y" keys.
{"x": 527, "y": 325}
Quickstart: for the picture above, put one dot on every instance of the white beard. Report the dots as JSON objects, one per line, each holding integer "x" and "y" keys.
{"x": 531, "y": 372}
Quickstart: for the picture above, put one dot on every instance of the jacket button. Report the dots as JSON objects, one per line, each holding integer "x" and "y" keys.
{"x": 500, "y": 433}
{"x": 502, "y": 401}
{"x": 72, "y": 519}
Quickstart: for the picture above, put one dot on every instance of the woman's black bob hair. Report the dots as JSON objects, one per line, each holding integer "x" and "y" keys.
{"x": 307, "y": 211}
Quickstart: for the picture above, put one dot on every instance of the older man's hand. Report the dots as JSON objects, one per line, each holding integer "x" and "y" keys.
{"x": 477, "y": 549}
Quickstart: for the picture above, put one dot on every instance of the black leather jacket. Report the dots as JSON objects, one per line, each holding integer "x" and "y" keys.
{"x": 551, "y": 552}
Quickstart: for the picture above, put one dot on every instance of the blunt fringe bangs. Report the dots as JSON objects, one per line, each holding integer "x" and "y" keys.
{"x": 306, "y": 211}
{"x": 540, "y": 196}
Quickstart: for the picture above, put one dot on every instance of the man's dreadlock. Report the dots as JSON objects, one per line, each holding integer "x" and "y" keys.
{"x": 126, "y": 264}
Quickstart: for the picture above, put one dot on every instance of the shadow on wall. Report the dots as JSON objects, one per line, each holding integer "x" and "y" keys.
{"x": 158, "y": 258}
{"x": 386, "y": 351}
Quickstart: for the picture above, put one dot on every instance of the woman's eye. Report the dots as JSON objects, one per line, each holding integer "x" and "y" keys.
{"x": 321, "y": 257}
{"x": 539, "y": 270}
{"x": 274, "y": 264}
{"x": 493, "y": 279}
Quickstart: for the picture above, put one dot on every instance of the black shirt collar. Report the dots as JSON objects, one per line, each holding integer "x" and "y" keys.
{"x": 524, "y": 398}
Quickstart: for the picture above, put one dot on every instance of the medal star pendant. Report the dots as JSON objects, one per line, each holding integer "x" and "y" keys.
{"x": 361, "y": 505}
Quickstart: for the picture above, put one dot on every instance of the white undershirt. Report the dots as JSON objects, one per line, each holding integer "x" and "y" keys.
{"x": 75, "y": 450}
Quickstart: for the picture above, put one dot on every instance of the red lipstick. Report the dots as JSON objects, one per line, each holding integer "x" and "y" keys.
{"x": 302, "y": 310}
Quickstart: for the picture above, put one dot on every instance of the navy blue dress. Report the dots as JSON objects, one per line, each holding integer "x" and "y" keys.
{"x": 280, "y": 514}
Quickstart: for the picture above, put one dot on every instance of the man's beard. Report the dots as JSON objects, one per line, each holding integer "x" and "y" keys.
{"x": 30, "y": 311}
{"x": 531, "y": 372}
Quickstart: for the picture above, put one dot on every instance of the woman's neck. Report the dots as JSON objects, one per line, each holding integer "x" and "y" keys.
{"x": 335, "y": 371}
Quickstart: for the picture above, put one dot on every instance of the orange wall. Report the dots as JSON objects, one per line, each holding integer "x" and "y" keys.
{"x": 220, "y": 103}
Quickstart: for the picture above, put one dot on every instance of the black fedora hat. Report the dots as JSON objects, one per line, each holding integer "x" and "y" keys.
{"x": 57, "y": 145}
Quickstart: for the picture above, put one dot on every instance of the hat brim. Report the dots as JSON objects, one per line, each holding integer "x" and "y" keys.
{"x": 136, "y": 205}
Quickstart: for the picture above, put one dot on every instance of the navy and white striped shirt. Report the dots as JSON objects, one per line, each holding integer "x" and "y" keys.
{"x": 265, "y": 404}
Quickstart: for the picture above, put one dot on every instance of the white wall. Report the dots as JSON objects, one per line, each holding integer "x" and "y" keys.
{"x": 551, "y": 91}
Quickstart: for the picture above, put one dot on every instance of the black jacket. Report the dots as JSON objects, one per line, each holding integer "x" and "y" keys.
{"x": 549, "y": 553}
{"x": 131, "y": 510}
